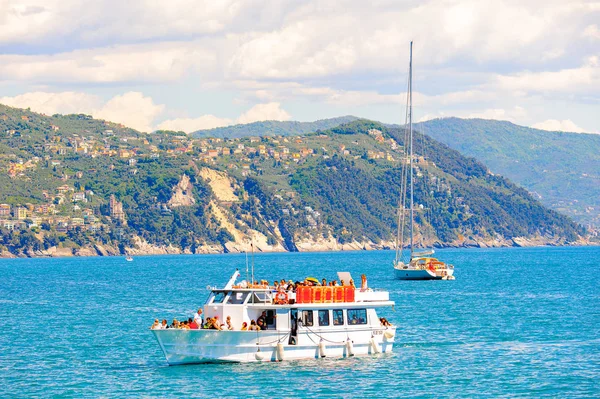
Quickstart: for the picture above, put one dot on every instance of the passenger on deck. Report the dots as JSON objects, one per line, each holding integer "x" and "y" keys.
{"x": 385, "y": 322}
{"x": 352, "y": 284}
{"x": 155, "y": 325}
{"x": 174, "y": 324}
{"x": 335, "y": 283}
{"x": 164, "y": 325}
{"x": 244, "y": 326}
{"x": 283, "y": 284}
{"x": 324, "y": 282}
{"x": 343, "y": 283}
{"x": 198, "y": 317}
{"x": 217, "y": 323}
{"x": 261, "y": 324}
{"x": 253, "y": 326}
{"x": 192, "y": 323}
{"x": 363, "y": 282}
{"x": 262, "y": 319}
{"x": 276, "y": 285}
{"x": 228, "y": 323}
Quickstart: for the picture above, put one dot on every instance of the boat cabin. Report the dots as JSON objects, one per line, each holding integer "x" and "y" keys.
{"x": 308, "y": 308}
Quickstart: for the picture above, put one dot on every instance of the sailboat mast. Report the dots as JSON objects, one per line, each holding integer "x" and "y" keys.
{"x": 411, "y": 149}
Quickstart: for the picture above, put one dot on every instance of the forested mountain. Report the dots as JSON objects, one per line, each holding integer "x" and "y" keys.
{"x": 561, "y": 169}
{"x": 273, "y": 128}
{"x": 75, "y": 185}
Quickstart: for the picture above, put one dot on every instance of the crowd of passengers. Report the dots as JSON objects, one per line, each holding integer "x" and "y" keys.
{"x": 211, "y": 323}
{"x": 291, "y": 286}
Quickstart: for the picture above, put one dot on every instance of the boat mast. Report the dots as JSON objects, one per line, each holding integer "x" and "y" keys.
{"x": 411, "y": 148}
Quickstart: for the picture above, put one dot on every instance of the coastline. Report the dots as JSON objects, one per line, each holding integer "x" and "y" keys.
{"x": 330, "y": 245}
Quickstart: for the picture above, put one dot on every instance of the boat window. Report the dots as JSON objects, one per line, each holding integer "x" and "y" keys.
{"x": 260, "y": 297}
{"x": 218, "y": 297}
{"x": 237, "y": 298}
{"x": 307, "y": 318}
{"x": 323, "y": 317}
{"x": 357, "y": 316}
{"x": 338, "y": 317}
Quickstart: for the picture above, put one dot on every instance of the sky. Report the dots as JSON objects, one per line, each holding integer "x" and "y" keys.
{"x": 199, "y": 64}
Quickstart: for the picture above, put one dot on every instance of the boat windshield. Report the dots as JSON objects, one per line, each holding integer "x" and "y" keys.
{"x": 217, "y": 297}
{"x": 260, "y": 297}
{"x": 237, "y": 298}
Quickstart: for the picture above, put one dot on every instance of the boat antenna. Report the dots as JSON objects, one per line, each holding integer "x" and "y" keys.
{"x": 411, "y": 149}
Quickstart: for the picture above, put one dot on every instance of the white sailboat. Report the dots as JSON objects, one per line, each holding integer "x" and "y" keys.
{"x": 420, "y": 264}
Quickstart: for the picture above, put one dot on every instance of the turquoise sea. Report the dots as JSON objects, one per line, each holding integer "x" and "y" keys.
{"x": 515, "y": 323}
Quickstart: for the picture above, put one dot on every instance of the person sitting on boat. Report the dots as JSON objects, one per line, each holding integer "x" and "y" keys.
{"x": 217, "y": 323}
{"x": 324, "y": 282}
{"x": 198, "y": 317}
{"x": 253, "y": 326}
{"x": 283, "y": 284}
{"x": 276, "y": 285}
{"x": 343, "y": 283}
{"x": 164, "y": 325}
{"x": 244, "y": 326}
{"x": 174, "y": 324}
{"x": 385, "y": 322}
{"x": 262, "y": 319}
{"x": 228, "y": 323}
{"x": 261, "y": 324}
{"x": 192, "y": 323}
{"x": 155, "y": 325}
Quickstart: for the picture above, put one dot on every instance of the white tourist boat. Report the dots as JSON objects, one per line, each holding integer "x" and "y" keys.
{"x": 310, "y": 323}
{"x": 419, "y": 265}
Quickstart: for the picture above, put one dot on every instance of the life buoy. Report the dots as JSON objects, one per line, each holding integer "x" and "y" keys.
{"x": 281, "y": 298}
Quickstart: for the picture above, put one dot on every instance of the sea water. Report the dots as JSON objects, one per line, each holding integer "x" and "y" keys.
{"x": 515, "y": 323}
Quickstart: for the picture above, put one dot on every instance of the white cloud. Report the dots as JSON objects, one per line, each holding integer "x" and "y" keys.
{"x": 129, "y": 63}
{"x": 67, "y": 102}
{"x": 592, "y": 32}
{"x": 189, "y": 125}
{"x": 264, "y": 112}
{"x": 565, "y": 125}
{"x": 132, "y": 109}
{"x": 32, "y": 21}
{"x": 585, "y": 79}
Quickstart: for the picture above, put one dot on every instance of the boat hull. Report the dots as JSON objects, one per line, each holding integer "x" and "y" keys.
{"x": 206, "y": 346}
{"x": 421, "y": 274}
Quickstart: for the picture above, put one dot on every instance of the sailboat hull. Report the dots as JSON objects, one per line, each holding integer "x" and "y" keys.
{"x": 421, "y": 274}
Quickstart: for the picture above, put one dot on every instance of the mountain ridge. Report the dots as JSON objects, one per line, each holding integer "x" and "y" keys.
{"x": 273, "y": 128}
{"x": 79, "y": 186}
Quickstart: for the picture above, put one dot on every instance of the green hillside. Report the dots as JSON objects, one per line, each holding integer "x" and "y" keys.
{"x": 273, "y": 128}
{"x": 75, "y": 185}
{"x": 561, "y": 169}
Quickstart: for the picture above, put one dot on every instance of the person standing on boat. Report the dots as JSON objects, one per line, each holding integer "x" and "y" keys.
{"x": 198, "y": 317}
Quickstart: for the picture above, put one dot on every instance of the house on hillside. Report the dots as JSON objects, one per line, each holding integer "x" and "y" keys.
{"x": 4, "y": 210}
{"x": 79, "y": 196}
